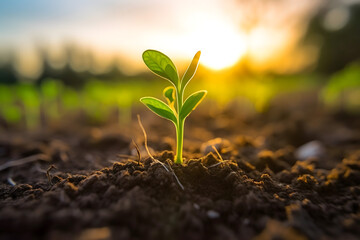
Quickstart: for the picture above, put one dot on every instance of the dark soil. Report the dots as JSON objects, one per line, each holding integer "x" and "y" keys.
{"x": 269, "y": 185}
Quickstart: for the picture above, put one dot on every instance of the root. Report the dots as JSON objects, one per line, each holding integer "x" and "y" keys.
{"x": 21, "y": 161}
{"x": 155, "y": 160}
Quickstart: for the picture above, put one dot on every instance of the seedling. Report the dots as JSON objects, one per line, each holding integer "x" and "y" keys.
{"x": 162, "y": 65}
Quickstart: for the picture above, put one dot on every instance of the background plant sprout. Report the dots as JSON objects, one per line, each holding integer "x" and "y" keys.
{"x": 28, "y": 95}
{"x": 162, "y": 65}
{"x": 9, "y": 110}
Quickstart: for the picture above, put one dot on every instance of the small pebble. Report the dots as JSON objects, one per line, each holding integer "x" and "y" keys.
{"x": 310, "y": 149}
{"x": 196, "y": 206}
{"x": 11, "y": 181}
{"x": 213, "y": 214}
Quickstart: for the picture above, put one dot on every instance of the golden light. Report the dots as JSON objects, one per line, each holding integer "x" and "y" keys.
{"x": 223, "y": 51}
{"x": 220, "y": 41}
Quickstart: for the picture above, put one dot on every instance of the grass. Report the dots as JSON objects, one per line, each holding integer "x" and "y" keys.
{"x": 24, "y": 105}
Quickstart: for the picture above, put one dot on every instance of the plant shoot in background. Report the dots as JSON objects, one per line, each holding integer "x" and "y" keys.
{"x": 176, "y": 110}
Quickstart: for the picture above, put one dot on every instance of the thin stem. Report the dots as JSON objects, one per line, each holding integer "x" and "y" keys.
{"x": 21, "y": 161}
{"x": 180, "y": 138}
{"x": 179, "y": 128}
{"x": 179, "y": 100}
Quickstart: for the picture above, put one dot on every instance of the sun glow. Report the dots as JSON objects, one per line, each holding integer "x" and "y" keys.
{"x": 221, "y": 43}
{"x": 223, "y": 52}
{"x": 220, "y": 29}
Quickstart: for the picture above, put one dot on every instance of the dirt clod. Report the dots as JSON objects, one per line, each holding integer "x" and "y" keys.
{"x": 260, "y": 187}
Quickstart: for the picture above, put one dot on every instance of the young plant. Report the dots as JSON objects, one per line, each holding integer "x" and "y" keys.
{"x": 176, "y": 110}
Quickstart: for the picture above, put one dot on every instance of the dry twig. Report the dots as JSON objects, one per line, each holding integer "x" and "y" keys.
{"x": 48, "y": 173}
{"x": 21, "y": 161}
{"x": 219, "y": 156}
{"x": 124, "y": 156}
{"x": 217, "y": 152}
{"x": 155, "y": 160}
{"x": 146, "y": 146}
{"x": 176, "y": 178}
{"x": 217, "y": 164}
{"x": 137, "y": 150}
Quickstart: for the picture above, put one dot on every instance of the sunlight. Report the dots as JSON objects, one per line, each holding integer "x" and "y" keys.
{"x": 222, "y": 44}
{"x": 218, "y": 56}
{"x": 265, "y": 44}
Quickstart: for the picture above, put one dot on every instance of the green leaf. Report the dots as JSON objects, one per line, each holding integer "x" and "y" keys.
{"x": 191, "y": 103}
{"x": 159, "y": 107}
{"x": 161, "y": 65}
{"x": 190, "y": 72}
{"x": 169, "y": 94}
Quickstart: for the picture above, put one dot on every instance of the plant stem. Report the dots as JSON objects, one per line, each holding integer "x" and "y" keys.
{"x": 180, "y": 138}
{"x": 179, "y": 128}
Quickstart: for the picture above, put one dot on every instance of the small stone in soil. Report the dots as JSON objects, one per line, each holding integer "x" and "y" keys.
{"x": 310, "y": 149}
{"x": 212, "y": 214}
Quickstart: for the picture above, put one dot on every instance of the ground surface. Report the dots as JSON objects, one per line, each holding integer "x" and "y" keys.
{"x": 272, "y": 187}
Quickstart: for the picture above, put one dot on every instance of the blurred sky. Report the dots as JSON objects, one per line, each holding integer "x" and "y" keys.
{"x": 225, "y": 30}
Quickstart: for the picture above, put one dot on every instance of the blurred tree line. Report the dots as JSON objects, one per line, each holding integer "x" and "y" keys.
{"x": 334, "y": 30}
{"x": 68, "y": 74}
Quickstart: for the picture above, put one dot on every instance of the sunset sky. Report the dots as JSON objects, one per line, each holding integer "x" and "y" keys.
{"x": 225, "y": 31}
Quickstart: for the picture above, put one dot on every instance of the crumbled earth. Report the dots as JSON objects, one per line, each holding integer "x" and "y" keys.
{"x": 257, "y": 187}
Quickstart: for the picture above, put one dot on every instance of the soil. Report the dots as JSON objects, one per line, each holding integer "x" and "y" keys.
{"x": 292, "y": 172}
